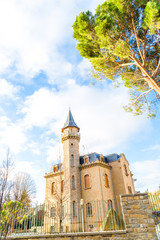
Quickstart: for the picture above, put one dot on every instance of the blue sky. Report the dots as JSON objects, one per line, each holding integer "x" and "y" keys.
{"x": 42, "y": 75}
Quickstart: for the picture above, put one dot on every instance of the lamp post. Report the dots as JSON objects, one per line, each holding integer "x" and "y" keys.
{"x": 81, "y": 204}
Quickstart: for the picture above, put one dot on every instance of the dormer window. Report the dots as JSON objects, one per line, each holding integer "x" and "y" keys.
{"x": 86, "y": 159}
{"x": 54, "y": 168}
{"x": 102, "y": 158}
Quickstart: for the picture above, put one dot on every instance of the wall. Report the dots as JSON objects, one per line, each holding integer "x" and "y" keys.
{"x": 138, "y": 219}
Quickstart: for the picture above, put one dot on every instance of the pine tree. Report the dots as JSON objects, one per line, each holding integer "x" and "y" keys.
{"x": 122, "y": 40}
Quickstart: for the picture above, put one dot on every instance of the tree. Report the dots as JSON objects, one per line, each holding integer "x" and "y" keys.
{"x": 5, "y": 183}
{"x": 23, "y": 189}
{"x": 20, "y": 187}
{"x": 9, "y": 214}
{"x": 58, "y": 203}
{"x": 122, "y": 40}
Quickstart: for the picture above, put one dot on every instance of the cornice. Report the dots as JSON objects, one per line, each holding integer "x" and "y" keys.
{"x": 53, "y": 174}
{"x": 93, "y": 164}
{"x": 70, "y": 136}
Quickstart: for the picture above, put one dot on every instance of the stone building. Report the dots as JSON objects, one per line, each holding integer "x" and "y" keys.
{"x": 82, "y": 180}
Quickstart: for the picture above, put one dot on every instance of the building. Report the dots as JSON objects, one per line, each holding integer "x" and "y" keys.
{"x": 82, "y": 180}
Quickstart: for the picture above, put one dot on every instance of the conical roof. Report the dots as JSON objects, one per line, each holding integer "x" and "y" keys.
{"x": 70, "y": 121}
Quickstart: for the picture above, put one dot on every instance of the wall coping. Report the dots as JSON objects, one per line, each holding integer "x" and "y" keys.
{"x": 135, "y": 194}
{"x": 80, "y": 234}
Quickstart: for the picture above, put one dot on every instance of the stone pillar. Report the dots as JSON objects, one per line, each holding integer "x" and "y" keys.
{"x": 138, "y": 217}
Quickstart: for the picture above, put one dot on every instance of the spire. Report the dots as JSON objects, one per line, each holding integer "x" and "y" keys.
{"x": 70, "y": 121}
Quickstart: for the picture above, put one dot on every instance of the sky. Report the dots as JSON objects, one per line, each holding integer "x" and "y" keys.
{"x": 41, "y": 75}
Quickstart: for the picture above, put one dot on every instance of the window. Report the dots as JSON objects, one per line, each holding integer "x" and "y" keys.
{"x": 106, "y": 180}
{"x": 102, "y": 158}
{"x": 53, "y": 188}
{"x": 89, "y": 209}
{"x": 86, "y": 181}
{"x": 74, "y": 208}
{"x": 109, "y": 204}
{"x": 86, "y": 160}
{"x": 52, "y": 228}
{"x": 53, "y": 211}
{"x": 73, "y": 182}
{"x": 72, "y": 160}
{"x": 54, "y": 169}
{"x": 62, "y": 211}
{"x": 125, "y": 169}
{"x": 129, "y": 189}
{"x": 71, "y": 144}
{"x": 62, "y": 185}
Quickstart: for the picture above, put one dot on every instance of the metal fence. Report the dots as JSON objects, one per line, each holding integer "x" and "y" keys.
{"x": 68, "y": 217}
{"x": 154, "y": 200}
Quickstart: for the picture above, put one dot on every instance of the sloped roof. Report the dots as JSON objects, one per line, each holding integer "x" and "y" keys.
{"x": 70, "y": 121}
{"x": 94, "y": 156}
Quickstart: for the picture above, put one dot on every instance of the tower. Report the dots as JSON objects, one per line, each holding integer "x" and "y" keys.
{"x": 70, "y": 139}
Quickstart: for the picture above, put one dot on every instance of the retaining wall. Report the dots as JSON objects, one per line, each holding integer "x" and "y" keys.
{"x": 139, "y": 223}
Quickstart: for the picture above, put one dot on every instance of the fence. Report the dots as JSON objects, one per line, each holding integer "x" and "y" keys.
{"x": 154, "y": 200}
{"x": 70, "y": 217}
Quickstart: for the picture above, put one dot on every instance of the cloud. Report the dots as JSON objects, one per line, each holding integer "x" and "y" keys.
{"x": 98, "y": 112}
{"x": 152, "y": 148}
{"x": 7, "y": 89}
{"x": 33, "y": 36}
{"x": 11, "y": 136}
{"x": 147, "y": 175}
{"x": 84, "y": 68}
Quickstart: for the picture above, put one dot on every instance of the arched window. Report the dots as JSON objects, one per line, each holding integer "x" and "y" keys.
{"x": 89, "y": 209}
{"x": 86, "y": 181}
{"x": 74, "y": 208}
{"x": 71, "y": 144}
{"x": 106, "y": 180}
{"x": 125, "y": 169}
{"x": 130, "y": 189}
{"x": 72, "y": 160}
{"x": 62, "y": 185}
{"x": 109, "y": 204}
{"x": 53, "y": 188}
{"x": 73, "y": 182}
{"x": 53, "y": 212}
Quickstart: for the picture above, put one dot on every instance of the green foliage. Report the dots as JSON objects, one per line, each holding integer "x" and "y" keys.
{"x": 122, "y": 40}
{"x": 9, "y": 214}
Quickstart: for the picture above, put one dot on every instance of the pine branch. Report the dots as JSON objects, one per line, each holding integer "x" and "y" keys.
{"x": 156, "y": 70}
{"x": 136, "y": 37}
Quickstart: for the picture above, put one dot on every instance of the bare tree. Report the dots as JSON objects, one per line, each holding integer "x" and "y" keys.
{"x": 5, "y": 183}
{"x": 23, "y": 189}
{"x": 59, "y": 198}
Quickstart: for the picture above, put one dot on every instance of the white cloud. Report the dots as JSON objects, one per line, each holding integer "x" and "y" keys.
{"x": 84, "y": 68}
{"x": 98, "y": 112}
{"x": 33, "y": 34}
{"x": 7, "y": 89}
{"x": 11, "y": 136}
{"x": 147, "y": 175}
{"x": 152, "y": 148}
{"x": 36, "y": 173}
